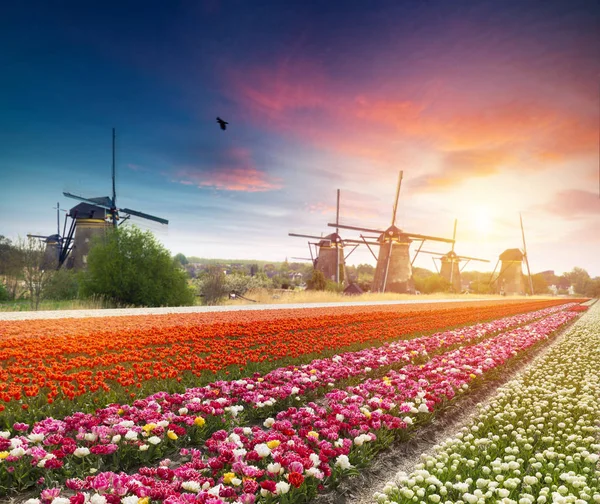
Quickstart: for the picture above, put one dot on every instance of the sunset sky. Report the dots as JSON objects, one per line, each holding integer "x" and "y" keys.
{"x": 490, "y": 108}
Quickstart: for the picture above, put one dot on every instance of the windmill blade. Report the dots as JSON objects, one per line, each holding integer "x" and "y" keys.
{"x": 86, "y": 200}
{"x": 525, "y": 255}
{"x": 454, "y": 234}
{"x": 426, "y": 237}
{"x": 492, "y": 280}
{"x": 355, "y": 228}
{"x": 417, "y": 253}
{"x": 313, "y": 237}
{"x": 349, "y": 253}
{"x": 144, "y": 215}
{"x": 395, "y": 209}
{"x": 349, "y": 240}
{"x": 301, "y": 258}
{"x": 433, "y": 253}
{"x": 472, "y": 259}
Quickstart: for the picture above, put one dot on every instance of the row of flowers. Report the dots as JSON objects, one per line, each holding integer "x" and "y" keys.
{"x": 171, "y": 420}
{"x": 303, "y": 448}
{"x": 102, "y": 360}
{"x": 536, "y": 441}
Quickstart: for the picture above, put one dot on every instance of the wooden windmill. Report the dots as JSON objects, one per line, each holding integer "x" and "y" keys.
{"x": 510, "y": 279}
{"x": 328, "y": 256}
{"x": 450, "y": 264}
{"x": 93, "y": 217}
{"x": 394, "y": 266}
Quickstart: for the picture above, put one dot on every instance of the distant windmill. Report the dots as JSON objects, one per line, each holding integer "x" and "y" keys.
{"x": 394, "y": 266}
{"x": 510, "y": 279}
{"x": 329, "y": 256}
{"x": 53, "y": 242}
{"x": 92, "y": 217}
{"x": 450, "y": 267}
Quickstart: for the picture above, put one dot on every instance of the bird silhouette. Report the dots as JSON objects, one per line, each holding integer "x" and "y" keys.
{"x": 222, "y": 123}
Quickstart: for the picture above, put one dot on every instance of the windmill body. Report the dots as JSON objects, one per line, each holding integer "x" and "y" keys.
{"x": 450, "y": 270}
{"x": 510, "y": 281}
{"x": 51, "y": 252}
{"x": 331, "y": 257}
{"x": 91, "y": 223}
{"x": 393, "y": 274}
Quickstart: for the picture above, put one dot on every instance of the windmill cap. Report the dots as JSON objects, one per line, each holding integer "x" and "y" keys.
{"x": 514, "y": 254}
{"x": 392, "y": 231}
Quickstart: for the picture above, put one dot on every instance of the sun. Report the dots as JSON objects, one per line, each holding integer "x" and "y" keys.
{"x": 482, "y": 220}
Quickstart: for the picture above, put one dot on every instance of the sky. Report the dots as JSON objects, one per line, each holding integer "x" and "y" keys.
{"x": 490, "y": 108}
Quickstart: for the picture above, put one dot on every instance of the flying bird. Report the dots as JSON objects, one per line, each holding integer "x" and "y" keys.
{"x": 222, "y": 123}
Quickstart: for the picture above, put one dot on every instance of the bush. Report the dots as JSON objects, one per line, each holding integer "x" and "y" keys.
{"x": 64, "y": 285}
{"x": 130, "y": 267}
{"x": 4, "y": 295}
{"x": 317, "y": 281}
{"x": 212, "y": 286}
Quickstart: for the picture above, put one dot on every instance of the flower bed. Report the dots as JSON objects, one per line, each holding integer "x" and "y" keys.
{"x": 119, "y": 427}
{"x": 305, "y": 447}
{"x": 538, "y": 440}
{"x": 53, "y": 368}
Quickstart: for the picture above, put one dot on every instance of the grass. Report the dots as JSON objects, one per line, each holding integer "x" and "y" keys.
{"x": 50, "y": 305}
{"x": 262, "y": 296}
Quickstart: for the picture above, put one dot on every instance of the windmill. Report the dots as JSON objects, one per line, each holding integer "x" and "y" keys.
{"x": 394, "y": 266}
{"x": 92, "y": 217}
{"x": 450, "y": 263}
{"x": 53, "y": 242}
{"x": 510, "y": 279}
{"x": 328, "y": 256}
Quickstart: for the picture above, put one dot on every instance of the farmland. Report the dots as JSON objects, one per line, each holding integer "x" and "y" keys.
{"x": 271, "y": 406}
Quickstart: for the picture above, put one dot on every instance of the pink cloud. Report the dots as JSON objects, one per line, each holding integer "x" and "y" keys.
{"x": 473, "y": 137}
{"x": 574, "y": 203}
{"x": 236, "y": 172}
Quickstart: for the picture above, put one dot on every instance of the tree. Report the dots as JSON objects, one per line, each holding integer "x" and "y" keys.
{"x": 181, "y": 259}
{"x": 11, "y": 265}
{"x": 36, "y": 277}
{"x": 212, "y": 285}
{"x": 540, "y": 286}
{"x": 578, "y": 277}
{"x": 317, "y": 281}
{"x": 130, "y": 267}
{"x": 64, "y": 285}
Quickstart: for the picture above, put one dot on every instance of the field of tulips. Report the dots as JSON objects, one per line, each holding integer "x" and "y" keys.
{"x": 55, "y": 367}
{"x": 328, "y": 417}
{"x": 537, "y": 441}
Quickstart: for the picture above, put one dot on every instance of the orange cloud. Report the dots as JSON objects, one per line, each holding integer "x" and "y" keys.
{"x": 236, "y": 172}
{"x": 302, "y": 102}
{"x": 460, "y": 165}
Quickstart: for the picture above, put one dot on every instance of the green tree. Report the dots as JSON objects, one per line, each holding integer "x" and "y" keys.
{"x": 64, "y": 285}
{"x": 181, "y": 259}
{"x": 317, "y": 281}
{"x": 540, "y": 286}
{"x": 129, "y": 266}
{"x": 578, "y": 278}
{"x": 11, "y": 265}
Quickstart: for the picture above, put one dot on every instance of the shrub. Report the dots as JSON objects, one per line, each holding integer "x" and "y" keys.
{"x": 130, "y": 267}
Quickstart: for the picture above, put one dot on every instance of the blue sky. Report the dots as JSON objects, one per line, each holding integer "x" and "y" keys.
{"x": 490, "y": 108}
